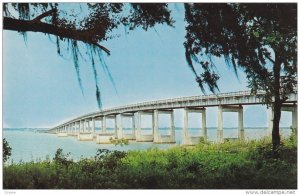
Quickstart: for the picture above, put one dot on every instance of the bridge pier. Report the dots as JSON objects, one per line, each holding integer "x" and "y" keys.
{"x": 293, "y": 109}
{"x": 121, "y": 133}
{"x": 285, "y": 108}
{"x": 105, "y": 136}
{"x": 139, "y": 136}
{"x": 74, "y": 129}
{"x": 86, "y": 125}
{"x": 103, "y": 128}
{"x": 164, "y": 138}
{"x": 93, "y": 126}
{"x": 85, "y": 134}
{"x": 114, "y": 118}
{"x": 81, "y": 126}
{"x": 193, "y": 140}
{"x": 62, "y": 132}
{"x": 220, "y": 131}
{"x": 67, "y": 129}
{"x": 71, "y": 129}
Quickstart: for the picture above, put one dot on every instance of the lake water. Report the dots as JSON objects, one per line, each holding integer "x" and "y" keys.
{"x": 28, "y": 144}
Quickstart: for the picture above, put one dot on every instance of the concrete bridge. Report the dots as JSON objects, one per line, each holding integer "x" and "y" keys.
{"x": 226, "y": 102}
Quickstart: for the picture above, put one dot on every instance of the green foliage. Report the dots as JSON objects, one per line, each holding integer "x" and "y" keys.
{"x": 253, "y": 36}
{"x": 261, "y": 39}
{"x": 6, "y": 150}
{"x": 231, "y": 165}
{"x": 120, "y": 142}
{"x": 61, "y": 158}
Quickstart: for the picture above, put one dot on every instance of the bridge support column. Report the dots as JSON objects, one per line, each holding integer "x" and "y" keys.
{"x": 121, "y": 133}
{"x": 93, "y": 125}
{"x": 156, "y": 127}
{"x": 103, "y": 128}
{"x": 163, "y": 138}
{"x": 114, "y": 117}
{"x": 241, "y": 123}
{"x": 116, "y": 126}
{"x": 120, "y": 130}
{"x": 220, "y": 131}
{"x": 84, "y": 126}
{"x": 286, "y": 108}
{"x": 133, "y": 126}
{"x": 139, "y": 136}
{"x": 291, "y": 108}
{"x": 88, "y": 126}
{"x": 62, "y": 131}
{"x": 204, "y": 128}
{"x": 74, "y": 128}
{"x": 220, "y": 134}
{"x": 68, "y": 129}
{"x": 79, "y": 127}
{"x": 85, "y": 134}
{"x": 193, "y": 140}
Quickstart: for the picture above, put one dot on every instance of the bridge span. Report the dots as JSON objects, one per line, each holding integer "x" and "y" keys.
{"x": 226, "y": 102}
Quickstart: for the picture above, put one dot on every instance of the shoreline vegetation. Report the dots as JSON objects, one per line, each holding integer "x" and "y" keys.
{"x": 230, "y": 165}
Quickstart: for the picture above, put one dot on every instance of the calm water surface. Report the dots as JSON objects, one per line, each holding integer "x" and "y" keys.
{"x": 28, "y": 145}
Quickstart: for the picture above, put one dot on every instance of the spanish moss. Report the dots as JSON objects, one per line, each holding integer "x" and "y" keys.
{"x": 75, "y": 60}
{"x": 98, "y": 94}
{"x": 106, "y": 70}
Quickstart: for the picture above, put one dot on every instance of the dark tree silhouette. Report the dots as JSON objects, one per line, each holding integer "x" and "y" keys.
{"x": 259, "y": 38}
{"x": 6, "y": 150}
{"x": 89, "y": 23}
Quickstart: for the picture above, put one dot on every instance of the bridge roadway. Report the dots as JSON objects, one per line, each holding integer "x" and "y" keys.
{"x": 226, "y": 102}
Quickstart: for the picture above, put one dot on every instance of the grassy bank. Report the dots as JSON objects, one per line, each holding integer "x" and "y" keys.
{"x": 233, "y": 165}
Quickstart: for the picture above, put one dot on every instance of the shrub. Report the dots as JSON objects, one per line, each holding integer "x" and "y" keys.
{"x": 6, "y": 150}
{"x": 231, "y": 165}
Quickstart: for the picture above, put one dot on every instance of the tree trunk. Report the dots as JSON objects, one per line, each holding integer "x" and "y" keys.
{"x": 276, "y": 105}
{"x": 276, "y": 120}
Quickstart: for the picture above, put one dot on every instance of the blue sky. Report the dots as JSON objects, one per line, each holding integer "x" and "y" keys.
{"x": 40, "y": 88}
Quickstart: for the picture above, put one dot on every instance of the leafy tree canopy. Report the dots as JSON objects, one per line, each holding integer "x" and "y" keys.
{"x": 89, "y": 23}
{"x": 259, "y": 38}
{"x": 251, "y": 36}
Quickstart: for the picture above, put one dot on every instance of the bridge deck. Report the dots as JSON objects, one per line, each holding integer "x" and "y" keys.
{"x": 233, "y": 98}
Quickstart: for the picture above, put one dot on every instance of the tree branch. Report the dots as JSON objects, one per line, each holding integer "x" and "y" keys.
{"x": 30, "y": 26}
{"x": 269, "y": 58}
{"x": 43, "y": 15}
